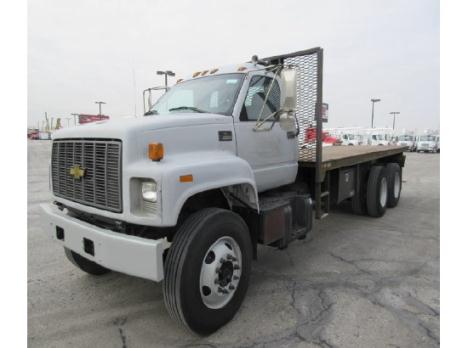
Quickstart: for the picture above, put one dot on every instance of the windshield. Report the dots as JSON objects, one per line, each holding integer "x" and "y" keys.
{"x": 350, "y": 137}
{"x": 405, "y": 137}
{"x": 427, "y": 138}
{"x": 377, "y": 137}
{"x": 214, "y": 94}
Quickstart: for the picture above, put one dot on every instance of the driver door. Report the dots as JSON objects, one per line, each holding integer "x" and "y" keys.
{"x": 271, "y": 151}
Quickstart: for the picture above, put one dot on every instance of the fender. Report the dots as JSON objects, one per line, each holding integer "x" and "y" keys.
{"x": 209, "y": 170}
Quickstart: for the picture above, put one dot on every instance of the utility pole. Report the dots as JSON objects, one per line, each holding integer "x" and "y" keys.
{"x": 75, "y": 116}
{"x": 394, "y": 113}
{"x": 373, "y": 102}
{"x": 166, "y": 74}
{"x": 47, "y": 122}
{"x": 100, "y": 103}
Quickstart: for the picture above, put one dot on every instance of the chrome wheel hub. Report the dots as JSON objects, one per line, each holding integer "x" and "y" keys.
{"x": 383, "y": 192}
{"x": 220, "y": 272}
{"x": 396, "y": 187}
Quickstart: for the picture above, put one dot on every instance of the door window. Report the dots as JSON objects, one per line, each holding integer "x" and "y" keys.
{"x": 256, "y": 97}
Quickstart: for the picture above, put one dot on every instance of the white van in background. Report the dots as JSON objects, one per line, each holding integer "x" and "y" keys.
{"x": 428, "y": 143}
{"x": 350, "y": 139}
{"x": 377, "y": 139}
{"x": 407, "y": 140}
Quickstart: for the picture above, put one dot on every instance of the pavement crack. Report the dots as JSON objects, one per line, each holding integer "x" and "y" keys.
{"x": 321, "y": 342}
{"x": 429, "y": 333}
{"x": 120, "y": 322}
{"x": 350, "y": 262}
{"x": 423, "y": 306}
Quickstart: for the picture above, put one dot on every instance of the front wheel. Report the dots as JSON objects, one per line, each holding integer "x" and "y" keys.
{"x": 207, "y": 270}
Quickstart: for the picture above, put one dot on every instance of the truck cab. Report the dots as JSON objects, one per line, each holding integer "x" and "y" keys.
{"x": 427, "y": 143}
{"x": 350, "y": 139}
{"x": 377, "y": 139}
{"x": 407, "y": 140}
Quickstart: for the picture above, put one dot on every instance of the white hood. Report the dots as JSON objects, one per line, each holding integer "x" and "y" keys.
{"x": 122, "y": 128}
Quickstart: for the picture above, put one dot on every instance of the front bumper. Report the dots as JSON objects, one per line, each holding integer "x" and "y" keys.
{"x": 119, "y": 252}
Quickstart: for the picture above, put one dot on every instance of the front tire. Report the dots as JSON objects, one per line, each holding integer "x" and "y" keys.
{"x": 377, "y": 191}
{"x": 207, "y": 270}
{"x": 84, "y": 264}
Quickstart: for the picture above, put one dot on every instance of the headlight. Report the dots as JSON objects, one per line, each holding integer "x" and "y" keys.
{"x": 149, "y": 191}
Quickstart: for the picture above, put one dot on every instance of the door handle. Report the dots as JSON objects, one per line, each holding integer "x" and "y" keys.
{"x": 291, "y": 134}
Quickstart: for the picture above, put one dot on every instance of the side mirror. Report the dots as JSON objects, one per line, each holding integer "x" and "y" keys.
{"x": 288, "y": 80}
{"x": 287, "y": 119}
{"x": 287, "y": 122}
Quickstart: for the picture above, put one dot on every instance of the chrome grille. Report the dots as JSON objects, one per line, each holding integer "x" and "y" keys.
{"x": 101, "y": 185}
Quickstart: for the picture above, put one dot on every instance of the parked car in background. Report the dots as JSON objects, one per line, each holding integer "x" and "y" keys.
{"x": 407, "y": 140}
{"x": 428, "y": 143}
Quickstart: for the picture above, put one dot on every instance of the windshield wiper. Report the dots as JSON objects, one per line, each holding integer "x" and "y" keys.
{"x": 151, "y": 112}
{"x": 188, "y": 108}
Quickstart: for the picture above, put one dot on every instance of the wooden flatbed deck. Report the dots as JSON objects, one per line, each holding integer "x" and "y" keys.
{"x": 343, "y": 156}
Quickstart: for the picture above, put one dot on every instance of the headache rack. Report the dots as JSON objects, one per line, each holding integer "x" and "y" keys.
{"x": 309, "y": 105}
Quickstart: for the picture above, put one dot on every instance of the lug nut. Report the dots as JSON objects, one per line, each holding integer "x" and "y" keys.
{"x": 235, "y": 277}
{"x": 231, "y": 258}
{"x": 236, "y": 267}
{"x": 224, "y": 291}
{"x": 222, "y": 260}
{"x": 231, "y": 287}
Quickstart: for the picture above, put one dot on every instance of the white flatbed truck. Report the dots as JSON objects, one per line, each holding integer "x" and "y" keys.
{"x": 185, "y": 194}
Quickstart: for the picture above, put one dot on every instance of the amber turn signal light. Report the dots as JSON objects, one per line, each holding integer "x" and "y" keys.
{"x": 155, "y": 151}
{"x": 186, "y": 178}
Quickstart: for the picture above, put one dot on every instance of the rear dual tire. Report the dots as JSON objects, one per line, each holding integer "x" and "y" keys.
{"x": 377, "y": 191}
{"x": 394, "y": 184}
{"x": 383, "y": 188}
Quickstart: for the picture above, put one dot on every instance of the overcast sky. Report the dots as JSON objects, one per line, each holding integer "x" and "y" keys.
{"x": 88, "y": 50}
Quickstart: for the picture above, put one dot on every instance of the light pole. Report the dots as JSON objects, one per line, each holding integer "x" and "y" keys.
{"x": 100, "y": 103}
{"x": 166, "y": 74}
{"x": 373, "y": 102}
{"x": 394, "y": 113}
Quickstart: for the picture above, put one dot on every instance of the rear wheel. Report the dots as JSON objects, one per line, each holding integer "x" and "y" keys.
{"x": 207, "y": 270}
{"x": 377, "y": 191}
{"x": 84, "y": 264}
{"x": 394, "y": 184}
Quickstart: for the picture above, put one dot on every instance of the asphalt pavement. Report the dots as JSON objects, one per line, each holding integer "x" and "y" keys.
{"x": 355, "y": 281}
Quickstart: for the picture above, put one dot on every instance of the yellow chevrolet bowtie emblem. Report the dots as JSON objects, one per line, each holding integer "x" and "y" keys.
{"x": 77, "y": 172}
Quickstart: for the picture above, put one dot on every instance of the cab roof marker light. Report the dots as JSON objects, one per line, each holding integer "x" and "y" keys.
{"x": 195, "y": 74}
{"x": 179, "y": 80}
{"x": 205, "y": 72}
{"x": 213, "y": 71}
{"x": 241, "y": 68}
